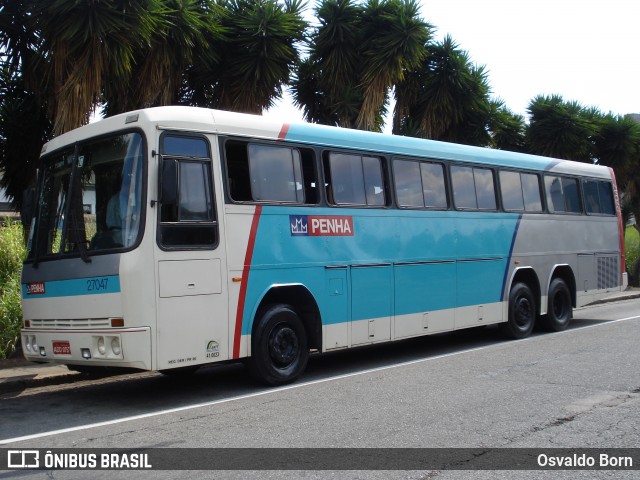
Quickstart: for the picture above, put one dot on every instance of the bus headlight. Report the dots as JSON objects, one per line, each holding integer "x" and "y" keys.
{"x": 101, "y": 346}
{"x": 26, "y": 340}
{"x": 115, "y": 346}
{"x": 34, "y": 344}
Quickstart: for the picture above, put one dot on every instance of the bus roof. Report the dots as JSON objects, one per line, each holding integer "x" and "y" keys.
{"x": 230, "y": 123}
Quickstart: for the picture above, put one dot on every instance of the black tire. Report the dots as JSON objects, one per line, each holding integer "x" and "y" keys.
{"x": 522, "y": 312}
{"x": 279, "y": 349}
{"x": 560, "y": 311}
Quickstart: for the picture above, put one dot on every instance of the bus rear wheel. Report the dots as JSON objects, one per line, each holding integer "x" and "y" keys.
{"x": 522, "y": 312}
{"x": 560, "y": 309}
{"x": 279, "y": 352}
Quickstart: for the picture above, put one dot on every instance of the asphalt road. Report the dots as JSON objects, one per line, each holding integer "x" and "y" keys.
{"x": 579, "y": 388}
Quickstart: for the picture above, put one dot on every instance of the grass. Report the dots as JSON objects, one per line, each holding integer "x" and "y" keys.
{"x": 12, "y": 253}
{"x": 631, "y": 248}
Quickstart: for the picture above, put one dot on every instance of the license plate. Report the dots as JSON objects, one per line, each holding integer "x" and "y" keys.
{"x": 61, "y": 348}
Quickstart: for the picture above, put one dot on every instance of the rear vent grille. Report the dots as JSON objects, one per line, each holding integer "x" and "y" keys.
{"x": 608, "y": 269}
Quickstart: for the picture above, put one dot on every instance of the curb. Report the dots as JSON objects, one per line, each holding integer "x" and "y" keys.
{"x": 23, "y": 382}
{"x": 617, "y": 298}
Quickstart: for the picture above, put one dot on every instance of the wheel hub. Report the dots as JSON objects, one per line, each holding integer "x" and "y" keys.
{"x": 283, "y": 346}
{"x": 523, "y": 312}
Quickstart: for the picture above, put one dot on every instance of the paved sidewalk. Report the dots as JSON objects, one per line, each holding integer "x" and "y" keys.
{"x": 17, "y": 374}
{"x": 628, "y": 294}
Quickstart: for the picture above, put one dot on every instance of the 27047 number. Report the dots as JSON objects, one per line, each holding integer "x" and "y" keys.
{"x": 97, "y": 284}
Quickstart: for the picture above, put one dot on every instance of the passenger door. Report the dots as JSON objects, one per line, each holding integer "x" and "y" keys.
{"x": 192, "y": 318}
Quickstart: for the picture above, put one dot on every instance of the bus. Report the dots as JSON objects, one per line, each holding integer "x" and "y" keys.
{"x": 168, "y": 238}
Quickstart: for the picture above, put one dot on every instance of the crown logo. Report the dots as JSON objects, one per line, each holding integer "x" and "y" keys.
{"x": 299, "y": 226}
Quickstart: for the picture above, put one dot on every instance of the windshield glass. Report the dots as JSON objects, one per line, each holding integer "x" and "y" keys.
{"x": 90, "y": 198}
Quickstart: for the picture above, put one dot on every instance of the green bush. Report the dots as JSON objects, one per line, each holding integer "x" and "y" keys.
{"x": 631, "y": 248}
{"x": 12, "y": 253}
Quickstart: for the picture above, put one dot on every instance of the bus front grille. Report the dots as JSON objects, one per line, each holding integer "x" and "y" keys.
{"x": 75, "y": 323}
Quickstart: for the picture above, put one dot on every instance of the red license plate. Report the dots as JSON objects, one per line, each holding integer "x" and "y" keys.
{"x": 61, "y": 348}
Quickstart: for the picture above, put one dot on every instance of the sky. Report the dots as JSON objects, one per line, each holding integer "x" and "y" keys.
{"x": 583, "y": 50}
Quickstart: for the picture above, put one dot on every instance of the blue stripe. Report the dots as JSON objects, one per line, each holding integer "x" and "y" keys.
{"x": 392, "y": 144}
{"x": 76, "y": 287}
{"x": 426, "y": 261}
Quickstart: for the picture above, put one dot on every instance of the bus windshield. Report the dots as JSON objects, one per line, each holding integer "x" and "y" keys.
{"x": 89, "y": 198}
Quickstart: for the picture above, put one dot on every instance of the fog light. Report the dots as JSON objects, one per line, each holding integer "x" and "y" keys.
{"x": 43, "y": 353}
{"x": 101, "y": 347}
{"x": 86, "y": 353}
{"x": 115, "y": 346}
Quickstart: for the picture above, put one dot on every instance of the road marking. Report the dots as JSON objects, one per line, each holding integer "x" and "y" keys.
{"x": 297, "y": 385}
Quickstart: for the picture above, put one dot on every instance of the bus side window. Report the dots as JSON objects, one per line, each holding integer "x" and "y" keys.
{"x": 485, "y": 189}
{"x": 531, "y": 192}
{"x": 572, "y": 194}
{"x": 511, "y": 189}
{"x": 408, "y": 183}
{"x": 555, "y": 199}
{"x": 473, "y": 188}
{"x": 420, "y": 184}
{"x": 607, "y": 204}
{"x": 433, "y": 185}
{"x": 275, "y": 174}
{"x": 520, "y": 191}
{"x": 262, "y": 173}
{"x": 187, "y": 213}
{"x": 354, "y": 180}
{"x": 598, "y": 197}
{"x": 563, "y": 194}
{"x": 237, "y": 163}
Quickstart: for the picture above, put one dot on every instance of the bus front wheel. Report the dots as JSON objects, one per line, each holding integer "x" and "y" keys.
{"x": 522, "y": 312}
{"x": 279, "y": 350}
{"x": 560, "y": 310}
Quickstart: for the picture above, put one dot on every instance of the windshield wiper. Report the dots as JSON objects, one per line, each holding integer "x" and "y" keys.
{"x": 73, "y": 216}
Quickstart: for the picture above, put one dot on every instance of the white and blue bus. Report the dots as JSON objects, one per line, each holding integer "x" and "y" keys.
{"x": 175, "y": 237}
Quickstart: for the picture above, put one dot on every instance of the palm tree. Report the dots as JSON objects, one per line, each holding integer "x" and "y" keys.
{"x": 24, "y": 124}
{"x": 246, "y": 68}
{"x": 326, "y": 85}
{"x": 561, "y": 129}
{"x": 357, "y": 54}
{"x": 82, "y": 41}
{"x": 19, "y": 39}
{"x": 72, "y": 55}
{"x": 507, "y": 128}
{"x": 24, "y": 127}
{"x": 617, "y": 141}
{"x": 394, "y": 42}
{"x": 445, "y": 98}
{"x": 157, "y": 75}
{"x": 617, "y": 145}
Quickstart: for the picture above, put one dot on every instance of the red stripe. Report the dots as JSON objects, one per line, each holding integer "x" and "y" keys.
{"x": 623, "y": 266}
{"x": 283, "y": 132}
{"x": 245, "y": 280}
